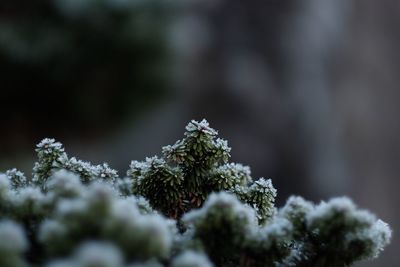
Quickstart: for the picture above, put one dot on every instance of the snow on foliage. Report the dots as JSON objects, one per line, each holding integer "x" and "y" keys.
{"x": 191, "y": 259}
{"x": 189, "y": 207}
{"x": 13, "y": 243}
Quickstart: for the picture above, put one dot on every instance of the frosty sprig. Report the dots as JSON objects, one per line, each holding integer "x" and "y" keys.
{"x": 188, "y": 208}
{"x": 49, "y": 152}
{"x": 51, "y": 157}
{"x": 260, "y": 195}
{"x": 347, "y": 234}
{"x": 156, "y": 178}
{"x": 193, "y": 168}
{"x": 17, "y": 178}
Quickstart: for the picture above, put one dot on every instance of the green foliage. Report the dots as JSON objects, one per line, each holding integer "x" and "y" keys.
{"x": 51, "y": 156}
{"x": 157, "y": 179}
{"x": 223, "y": 226}
{"x": 193, "y": 168}
{"x": 189, "y": 208}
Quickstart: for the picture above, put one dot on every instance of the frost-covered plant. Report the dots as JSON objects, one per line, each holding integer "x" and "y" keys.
{"x": 13, "y": 243}
{"x": 187, "y": 208}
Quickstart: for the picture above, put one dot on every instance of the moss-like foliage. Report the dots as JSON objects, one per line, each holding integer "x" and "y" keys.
{"x": 188, "y": 208}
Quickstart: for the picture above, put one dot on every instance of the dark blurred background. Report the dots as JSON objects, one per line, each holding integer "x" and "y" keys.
{"x": 304, "y": 91}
